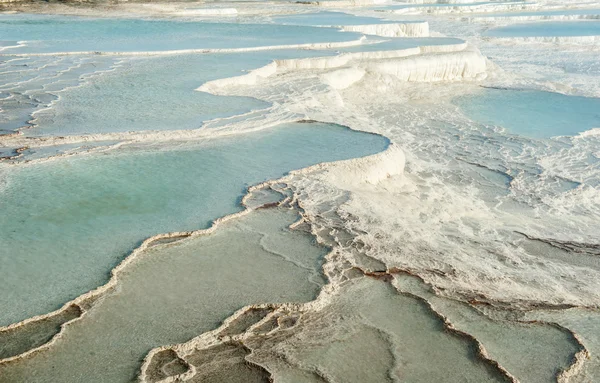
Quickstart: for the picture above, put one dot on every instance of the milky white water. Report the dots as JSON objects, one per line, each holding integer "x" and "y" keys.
{"x": 462, "y": 240}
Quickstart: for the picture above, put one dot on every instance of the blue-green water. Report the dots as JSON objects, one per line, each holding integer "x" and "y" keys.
{"x": 533, "y": 113}
{"x": 44, "y": 34}
{"x": 66, "y": 223}
{"x": 547, "y": 29}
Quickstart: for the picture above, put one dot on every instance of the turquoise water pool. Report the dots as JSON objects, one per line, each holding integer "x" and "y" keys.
{"x": 547, "y": 29}
{"x": 46, "y": 34}
{"x": 533, "y": 113}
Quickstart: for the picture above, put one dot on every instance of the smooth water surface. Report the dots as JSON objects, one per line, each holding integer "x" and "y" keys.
{"x": 547, "y": 29}
{"x": 532, "y": 113}
{"x": 67, "y": 222}
{"x": 48, "y": 34}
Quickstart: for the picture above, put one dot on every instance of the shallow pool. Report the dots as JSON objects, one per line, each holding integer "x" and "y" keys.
{"x": 547, "y": 29}
{"x": 532, "y": 113}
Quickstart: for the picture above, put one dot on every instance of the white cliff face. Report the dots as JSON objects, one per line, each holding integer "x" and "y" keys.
{"x": 391, "y": 30}
{"x": 426, "y": 63}
{"x": 248, "y": 79}
{"x": 469, "y": 64}
{"x": 368, "y": 170}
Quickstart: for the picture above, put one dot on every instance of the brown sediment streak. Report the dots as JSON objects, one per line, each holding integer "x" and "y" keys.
{"x": 476, "y": 299}
{"x": 570, "y": 246}
{"x": 18, "y": 153}
{"x": 89, "y": 298}
{"x": 479, "y": 299}
{"x": 380, "y": 275}
{"x": 497, "y": 171}
{"x": 15, "y": 133}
